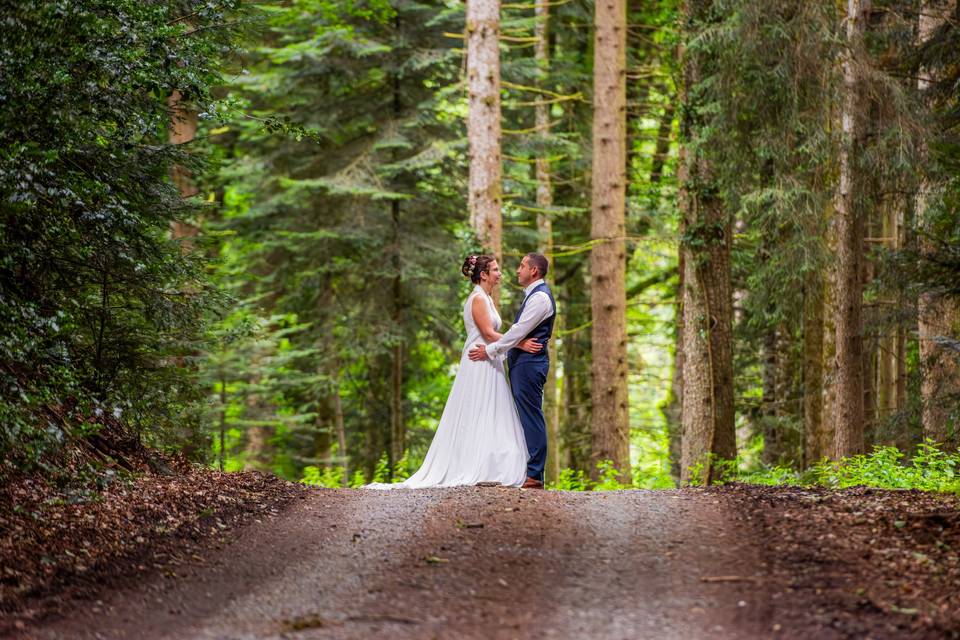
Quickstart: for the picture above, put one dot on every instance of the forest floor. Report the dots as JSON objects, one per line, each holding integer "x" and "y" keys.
{"x": 248, "y": 556}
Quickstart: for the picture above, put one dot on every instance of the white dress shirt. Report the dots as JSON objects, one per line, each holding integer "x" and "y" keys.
{"x": 536, "y": 310}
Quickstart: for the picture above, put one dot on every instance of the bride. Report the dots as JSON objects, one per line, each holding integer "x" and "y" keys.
{"x": 479, "y": 438}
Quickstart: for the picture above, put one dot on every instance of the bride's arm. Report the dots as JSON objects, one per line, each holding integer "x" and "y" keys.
{"x": 481, "y": 316}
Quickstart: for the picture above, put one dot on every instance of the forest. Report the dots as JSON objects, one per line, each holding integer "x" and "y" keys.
{"x": 234, "y": 230}
{"x": 231, "y": 236}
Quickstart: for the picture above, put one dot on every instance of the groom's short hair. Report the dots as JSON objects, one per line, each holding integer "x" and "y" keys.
{"x": 539, "y": 261}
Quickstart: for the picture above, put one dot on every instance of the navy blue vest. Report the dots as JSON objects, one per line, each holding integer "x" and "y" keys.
{"x": 542, "y": 332}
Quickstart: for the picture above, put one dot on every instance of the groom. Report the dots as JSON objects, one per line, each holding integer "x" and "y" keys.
{"x": 528, "y": 371}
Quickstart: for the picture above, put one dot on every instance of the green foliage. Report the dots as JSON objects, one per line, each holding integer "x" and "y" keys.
{"x": 99, "y": 307}
{"x": 381, "y": 472}
{"x": 341, "y": 211}
{"x": 571, "y": 480}
{"x": 357, "y": 479}
{"x": 930, "y": 469}
{"x": 770, "y": 476}
{"x": 607, "y": 474}
{"x": 607, "y": 477}
{"x": 402, "y": 469}
{"x": 343, "y": 176}
{"x": 330, "y": 477}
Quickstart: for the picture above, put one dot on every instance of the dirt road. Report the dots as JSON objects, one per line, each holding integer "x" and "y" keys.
{"x": 479, "y": 562}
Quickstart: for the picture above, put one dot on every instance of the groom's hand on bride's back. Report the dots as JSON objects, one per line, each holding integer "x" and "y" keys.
{"x": 479, "y": 352}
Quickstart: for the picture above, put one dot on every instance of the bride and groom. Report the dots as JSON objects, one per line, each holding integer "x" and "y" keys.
{"x": 492, "y": 432}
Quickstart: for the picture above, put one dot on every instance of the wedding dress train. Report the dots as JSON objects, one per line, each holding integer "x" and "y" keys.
{"x": 479, "y": 437}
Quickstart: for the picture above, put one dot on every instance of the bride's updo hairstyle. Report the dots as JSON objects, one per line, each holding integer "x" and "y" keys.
{"x": 473, "y": 266}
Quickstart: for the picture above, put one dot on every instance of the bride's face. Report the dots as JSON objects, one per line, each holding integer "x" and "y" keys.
{"x": 493, "y": 273}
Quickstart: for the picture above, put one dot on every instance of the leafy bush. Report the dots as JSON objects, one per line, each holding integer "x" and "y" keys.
{"x": 577, "y": 480}
{"x": 930, "y": 469}
{"x": 571, "y": 480}
{"x": 100, "y": 308}
{"x": 330, "y": 477}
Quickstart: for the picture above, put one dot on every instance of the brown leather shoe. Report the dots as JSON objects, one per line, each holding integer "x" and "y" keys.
{"x": 532, "y": 483}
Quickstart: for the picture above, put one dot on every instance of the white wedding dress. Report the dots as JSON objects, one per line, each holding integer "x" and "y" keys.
{"x": 479, "y": 438}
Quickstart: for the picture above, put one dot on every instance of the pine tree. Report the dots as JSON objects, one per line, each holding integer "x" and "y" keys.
{"x": 551, "y": 406}
{"x": 342, "y": 193}
{"x": 707, "y": 408}
{"x": 483, "y": 122}
{"x": 611, "y": 426}
{"x": 99, "y": 306}
{"x": 938, "y": 316}
{"x": 849, "y": 220}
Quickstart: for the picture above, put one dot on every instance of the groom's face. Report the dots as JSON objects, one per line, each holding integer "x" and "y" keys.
{"x": 526, "y": 273}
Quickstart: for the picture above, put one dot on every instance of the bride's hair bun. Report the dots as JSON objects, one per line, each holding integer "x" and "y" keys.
{"x": 474, "y": 265}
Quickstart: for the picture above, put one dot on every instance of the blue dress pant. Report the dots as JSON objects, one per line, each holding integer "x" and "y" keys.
{"x": 526, "y": 382}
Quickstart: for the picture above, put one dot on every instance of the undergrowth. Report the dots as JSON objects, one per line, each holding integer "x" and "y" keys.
{"x": 929, "y": 469}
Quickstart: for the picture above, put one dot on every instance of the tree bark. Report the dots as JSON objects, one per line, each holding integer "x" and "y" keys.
{"x": 323, "y": 437}
{"x": 398, "y": 431}
{"x": 341, "y": 434}
{"x": 398, "y": 435}
{"x": 223, "y": 417}
{"x": 937, "y": 316}
{"x": 768, "y": 397}
{"x": 674, "y": 409}
{"x": 183, "y": 129}
{"x": 788, "y": 411}
{"x": 551, "y": 408}
{"x": 849, "y": 430}
{"x": 813, "y": 304}
{"x": 829, "y": 395}
{"x": 887, "y": 352}
{"x": 707, "y": 406}
{"x": 483, "y": 122}
{"x": 610, "y": 425}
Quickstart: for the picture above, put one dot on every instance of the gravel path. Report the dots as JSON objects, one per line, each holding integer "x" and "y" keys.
{"x": 477, "y": 562}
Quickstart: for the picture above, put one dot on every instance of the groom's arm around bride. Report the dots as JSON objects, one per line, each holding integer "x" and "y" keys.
{"x": 536, "y": 308}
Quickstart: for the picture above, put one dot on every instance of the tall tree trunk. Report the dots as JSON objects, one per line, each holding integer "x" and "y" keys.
{"x": 813, "y": 304}
{"x": 339, "y": 425}
{"x": 887, "y": 352}
{"x": 223, "y": 417}
{"x": 788, "y": 411}
{"x": 708, "y": 411}
{"x": 398, "y": 435}
{"x": 779, "y": 408}
{"x": 870, "y": 349}
{"x": 183, "y": 129}
{"x": 708, "y": 414}
{"x": 940, "y": 371}
{"x": 829, "y": 396}
{"x": 610, "y": 425}
{"x": 551, "y": 408}
{"x": 673, "y": 412}
{"x": 398, "y": 431}
{"x": 768, "y": 399}
{"x": 849, "y": 434}
{"x": 323, "y": 437}
{"x": 483, "y": 121}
